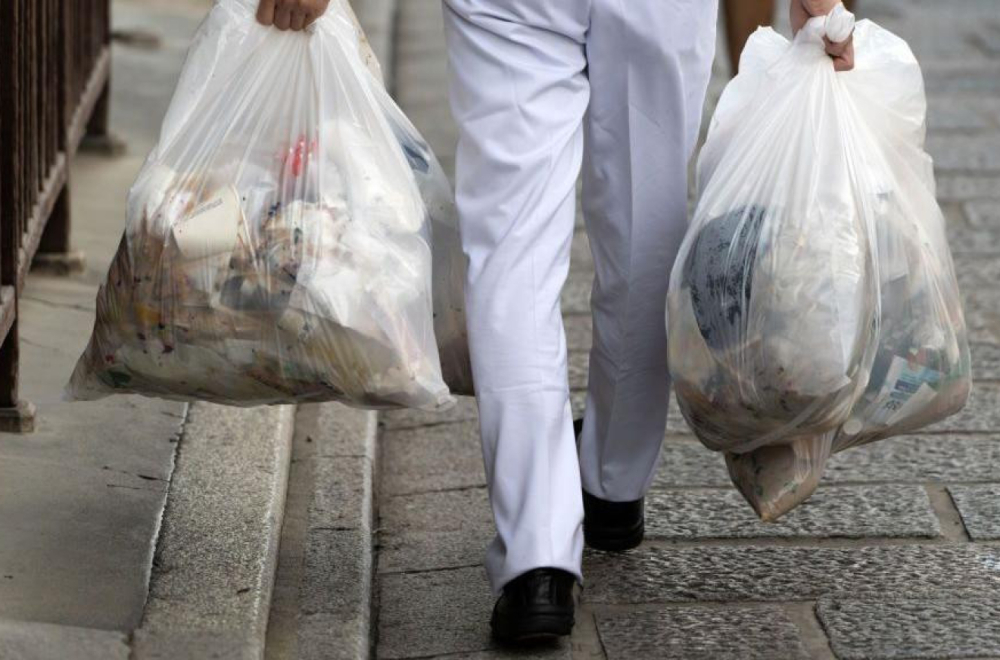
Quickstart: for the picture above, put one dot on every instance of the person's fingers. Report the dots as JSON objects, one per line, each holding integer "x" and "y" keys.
{"x": 316, "y": 7}
{"x": 818, "y": 7}
{"x": 835, "y": 49}
{"x": 845, "y": 62}
{"x": 842, "y": 53}
{"x": 315, "y": 10}
{"x": 298, "y": 20}
{"x": 283, "y": 17}
{"x": 265, "y": 12}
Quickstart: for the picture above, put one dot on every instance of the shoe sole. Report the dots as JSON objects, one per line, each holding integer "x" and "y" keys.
{"x": 535, "y": 629}
{"x": 614, "y": 541}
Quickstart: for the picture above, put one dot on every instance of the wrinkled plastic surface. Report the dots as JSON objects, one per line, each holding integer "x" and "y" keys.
{"x": 278, "y": 238}
{"x": 814, "y": 305}
{"x": 449, "y": 262}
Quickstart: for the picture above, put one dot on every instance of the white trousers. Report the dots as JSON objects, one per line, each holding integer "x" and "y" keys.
{"x": 539, "y": 88}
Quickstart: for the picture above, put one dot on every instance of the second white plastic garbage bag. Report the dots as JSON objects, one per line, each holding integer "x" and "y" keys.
{"x": 814, "y": 305}
{"x": 278, "y": 241}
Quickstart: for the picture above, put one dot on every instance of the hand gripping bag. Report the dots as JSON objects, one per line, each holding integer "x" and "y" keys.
{"x": 814, "y": 305}
{"x": 277, "y": 246}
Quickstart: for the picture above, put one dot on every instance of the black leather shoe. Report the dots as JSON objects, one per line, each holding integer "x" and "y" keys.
{"x": 611, "y": 526}
{"x": 535, "y": 606}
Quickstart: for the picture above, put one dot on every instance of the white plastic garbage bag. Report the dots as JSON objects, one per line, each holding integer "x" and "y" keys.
{"x": 814, "y": 305}
{"x": 449, "y": 262}
{"x": 278, "y": 245}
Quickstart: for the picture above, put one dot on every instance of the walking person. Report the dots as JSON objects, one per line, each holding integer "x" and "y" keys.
{"x": 542, "y": 89}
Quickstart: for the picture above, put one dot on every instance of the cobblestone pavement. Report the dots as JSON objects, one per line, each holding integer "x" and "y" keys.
{"x": 896, "y": 556}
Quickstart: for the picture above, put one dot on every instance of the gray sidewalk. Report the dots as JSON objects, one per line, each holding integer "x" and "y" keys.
{"x": 895, "y": 557}
{"x": 81, "y": 498}
{"x": 131, "y": 527}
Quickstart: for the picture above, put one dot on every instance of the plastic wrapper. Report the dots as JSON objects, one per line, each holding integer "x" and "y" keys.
{"x": 278, "y": 244}
{"x": 814, "y": 306}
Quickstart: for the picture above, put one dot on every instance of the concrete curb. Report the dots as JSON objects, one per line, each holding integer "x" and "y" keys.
{"x": 213, "y": 572}
{"x": 323, "y": 591}
{"x": 324, "y": 588}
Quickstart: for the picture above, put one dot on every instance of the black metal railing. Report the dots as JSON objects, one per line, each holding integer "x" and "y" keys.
{"x": 54, "y": 72}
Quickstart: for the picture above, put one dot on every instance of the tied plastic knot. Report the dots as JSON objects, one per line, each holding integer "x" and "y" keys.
{"x": 839, "y": 24}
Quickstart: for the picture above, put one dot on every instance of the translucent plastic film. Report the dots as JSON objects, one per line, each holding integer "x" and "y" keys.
{"x": 278, "y": 240}
{"x": 814, "y": 305}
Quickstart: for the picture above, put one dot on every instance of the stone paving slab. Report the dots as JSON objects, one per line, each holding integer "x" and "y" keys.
{"x": 430, "y": 531}
{"x": 974, "y": 271}
{"x": 432, "y": 458}
{"x": 982, "y": 314}
{"x": 946, "y": 628}
{"x": 701, "y": 632}
{"x": 985, "y": 361}
{"x": 655, "y": 573}
{"x": 463, "y": 411}
{"x": 685, "y": 463}
{"x": 889, "y": 511}
{"x": 579, "y": 367}
{"x": 576, "y": 296}
{"x": 959, "y": 79}
{"x": 964, "y": 241}
{"x": 965, "y": 152}
{"x": 579, "y": 332}
{"x": 920, "y": 458}
{"x": 983, "y": 214}
{"x": 917, "y": 458}
{"x": 431, "y": 551}
{"x": 965, "y": 187}
{"x": 435, "y": 613}
{"x": 979, "y": 507}
{"x": 950, "y": 113}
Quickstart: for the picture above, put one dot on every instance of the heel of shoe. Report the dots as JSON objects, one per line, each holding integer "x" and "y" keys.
{"x": 534, "y": 628}
{"x": 617, "y": 540}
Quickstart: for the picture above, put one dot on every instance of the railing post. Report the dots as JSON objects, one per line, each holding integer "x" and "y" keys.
{"x": 55, "y": 255}
{"x": 98, "y": 139}
{"x": 15, "y": 415}
{"x": 97, "y": 127}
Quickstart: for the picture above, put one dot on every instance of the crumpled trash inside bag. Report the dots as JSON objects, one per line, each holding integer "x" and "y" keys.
{"x": 813, "y": 306}
{"x": 449, "y": 262}
{"x": 278, "y": 245}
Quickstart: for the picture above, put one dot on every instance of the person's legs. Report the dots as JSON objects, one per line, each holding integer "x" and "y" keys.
{"x": 649, "y": 68}
{"x": 519, "y": 92}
